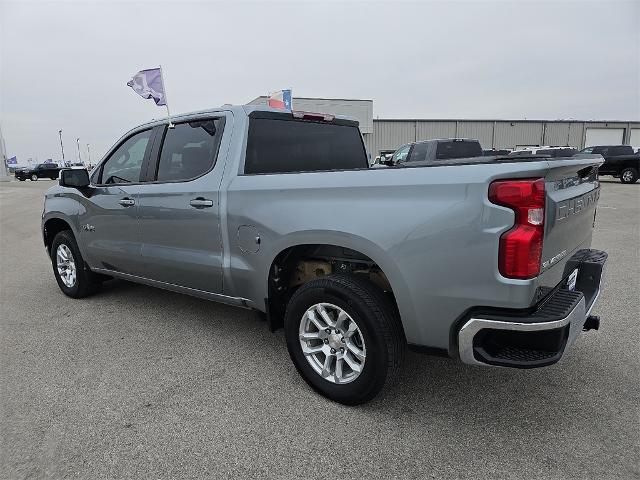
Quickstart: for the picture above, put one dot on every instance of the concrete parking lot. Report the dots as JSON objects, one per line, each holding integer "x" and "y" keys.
{"x": 135, "y": 382}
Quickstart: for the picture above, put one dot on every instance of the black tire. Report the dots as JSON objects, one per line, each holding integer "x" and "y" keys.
{"x": 378, "y": 321}
{"x": 631, "y": 175}
{"x": 86, "y": 281}
{"x": 22, "y": 179}
{"x": 34, "y": 178}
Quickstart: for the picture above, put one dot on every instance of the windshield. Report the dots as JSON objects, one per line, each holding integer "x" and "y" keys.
{"x": 401, "y": 154}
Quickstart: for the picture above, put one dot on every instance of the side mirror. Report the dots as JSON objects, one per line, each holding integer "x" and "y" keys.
{"x": 74, "y": 178}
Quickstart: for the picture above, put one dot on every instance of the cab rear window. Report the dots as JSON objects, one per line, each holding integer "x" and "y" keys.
{"x": 285, "y": 146}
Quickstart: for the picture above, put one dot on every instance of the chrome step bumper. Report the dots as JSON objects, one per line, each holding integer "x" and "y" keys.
{"x": 541, "y": 337}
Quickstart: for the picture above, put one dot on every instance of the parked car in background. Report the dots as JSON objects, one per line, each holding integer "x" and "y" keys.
{"x": 557, "y": 152}
{"x": 495, "y": 152}
{"x": 384, "y": 157}
{"x": 620, "y": 161}
{"x": 43, "y": 170}
{"x": 438, "y": 149}
{"x": 554, "y": 152}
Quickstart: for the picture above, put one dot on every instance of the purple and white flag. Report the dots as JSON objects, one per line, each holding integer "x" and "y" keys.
{"x": 12, "y": 161}
{"x": 148, "y": 84}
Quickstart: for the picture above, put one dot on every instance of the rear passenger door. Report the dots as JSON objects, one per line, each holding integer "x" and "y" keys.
{"x": 179, "y": 209}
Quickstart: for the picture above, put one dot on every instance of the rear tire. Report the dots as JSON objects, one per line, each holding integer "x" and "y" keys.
{"x": 629, "y": 175}
{"x": 379, "y": 338}
{"x": 73, "y": 275}
{"x": 34, "y": 178}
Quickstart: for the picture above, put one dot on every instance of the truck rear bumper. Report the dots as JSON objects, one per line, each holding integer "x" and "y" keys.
{"x": 540, "y": 337}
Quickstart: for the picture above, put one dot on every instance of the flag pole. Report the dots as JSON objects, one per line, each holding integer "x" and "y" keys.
{"x": 166, "y": 99}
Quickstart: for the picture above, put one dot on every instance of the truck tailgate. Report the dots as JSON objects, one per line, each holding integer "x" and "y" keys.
{"x": 572, "y": 193}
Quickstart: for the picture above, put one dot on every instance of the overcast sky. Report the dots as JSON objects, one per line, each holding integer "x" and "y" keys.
{"x": 64, "y": 65}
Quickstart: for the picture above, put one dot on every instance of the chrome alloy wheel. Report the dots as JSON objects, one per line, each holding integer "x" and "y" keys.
{"x": 66, "y": 265}
{"x": 332, "y": 343}
{"x": 627, "y": 176}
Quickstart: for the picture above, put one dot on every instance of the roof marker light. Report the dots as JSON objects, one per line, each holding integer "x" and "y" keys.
{"x": 323, "y": 117}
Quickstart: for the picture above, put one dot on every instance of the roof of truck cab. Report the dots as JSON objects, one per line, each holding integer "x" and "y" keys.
{"x": 235, "y": 109}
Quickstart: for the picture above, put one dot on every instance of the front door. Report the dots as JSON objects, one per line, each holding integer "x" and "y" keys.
{"x": 108, "y": 216}
{"x": 179, "y": 207}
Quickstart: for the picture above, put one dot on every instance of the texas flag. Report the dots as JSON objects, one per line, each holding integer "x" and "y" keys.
{"x": 280, "y": 99}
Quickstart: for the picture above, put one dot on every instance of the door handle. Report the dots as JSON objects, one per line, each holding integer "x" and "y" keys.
{"x": 127, "y": 202}
{"x": 201, "y": 202}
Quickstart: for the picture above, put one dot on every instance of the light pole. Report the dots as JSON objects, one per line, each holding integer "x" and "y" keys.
{"x": 79, "y": 156}
{"x": 89, "y": 154}
{"x": 61, "y": 146}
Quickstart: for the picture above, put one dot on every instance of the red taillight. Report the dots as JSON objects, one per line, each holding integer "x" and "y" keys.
{"x": 521, "y": 247}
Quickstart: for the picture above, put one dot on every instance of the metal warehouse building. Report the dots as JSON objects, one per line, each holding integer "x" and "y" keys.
{"x": 389, "y": 134}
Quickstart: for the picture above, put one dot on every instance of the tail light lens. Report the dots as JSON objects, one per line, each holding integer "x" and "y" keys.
{"x": 521, "y": 247}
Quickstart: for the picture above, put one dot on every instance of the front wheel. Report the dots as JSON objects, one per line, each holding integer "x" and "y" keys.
{"x": 344, "y": 337}
{"x": 34, "y": 178}
{"x": 629, "y": 175}
{"x": 73, "y": 275}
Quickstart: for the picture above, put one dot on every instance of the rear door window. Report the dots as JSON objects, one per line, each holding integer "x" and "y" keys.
{"x": 600, "y": 150}
{"x": 281, "y": 146}
{"x": 461, "y": 149}
{"x": 189, "y": 150}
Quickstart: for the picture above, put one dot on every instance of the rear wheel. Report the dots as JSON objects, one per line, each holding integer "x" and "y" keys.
{"x": 629, "y": 175}
{"x": 344, "y": 337}
{"x": 73, "y": 275}
{"x": 34, "y": 178}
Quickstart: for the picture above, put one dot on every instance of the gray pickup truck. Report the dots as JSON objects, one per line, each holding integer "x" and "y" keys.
{"x": 486, "y": 260}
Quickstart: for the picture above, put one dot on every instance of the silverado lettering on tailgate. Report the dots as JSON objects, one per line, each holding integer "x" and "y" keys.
{"x": 576, "y": 205}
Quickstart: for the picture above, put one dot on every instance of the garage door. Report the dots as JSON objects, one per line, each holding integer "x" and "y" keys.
{"x": 635, "y": 138}
{"x": 604, "y": 136}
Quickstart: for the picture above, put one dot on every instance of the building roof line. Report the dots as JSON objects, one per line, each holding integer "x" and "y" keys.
{"x": 499, "y": 120}
{"x": 322, "y": 98}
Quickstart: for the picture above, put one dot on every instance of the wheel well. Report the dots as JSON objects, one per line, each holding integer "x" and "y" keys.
{"x": 52, "y": 227}
{"x": 300, "y": 264}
